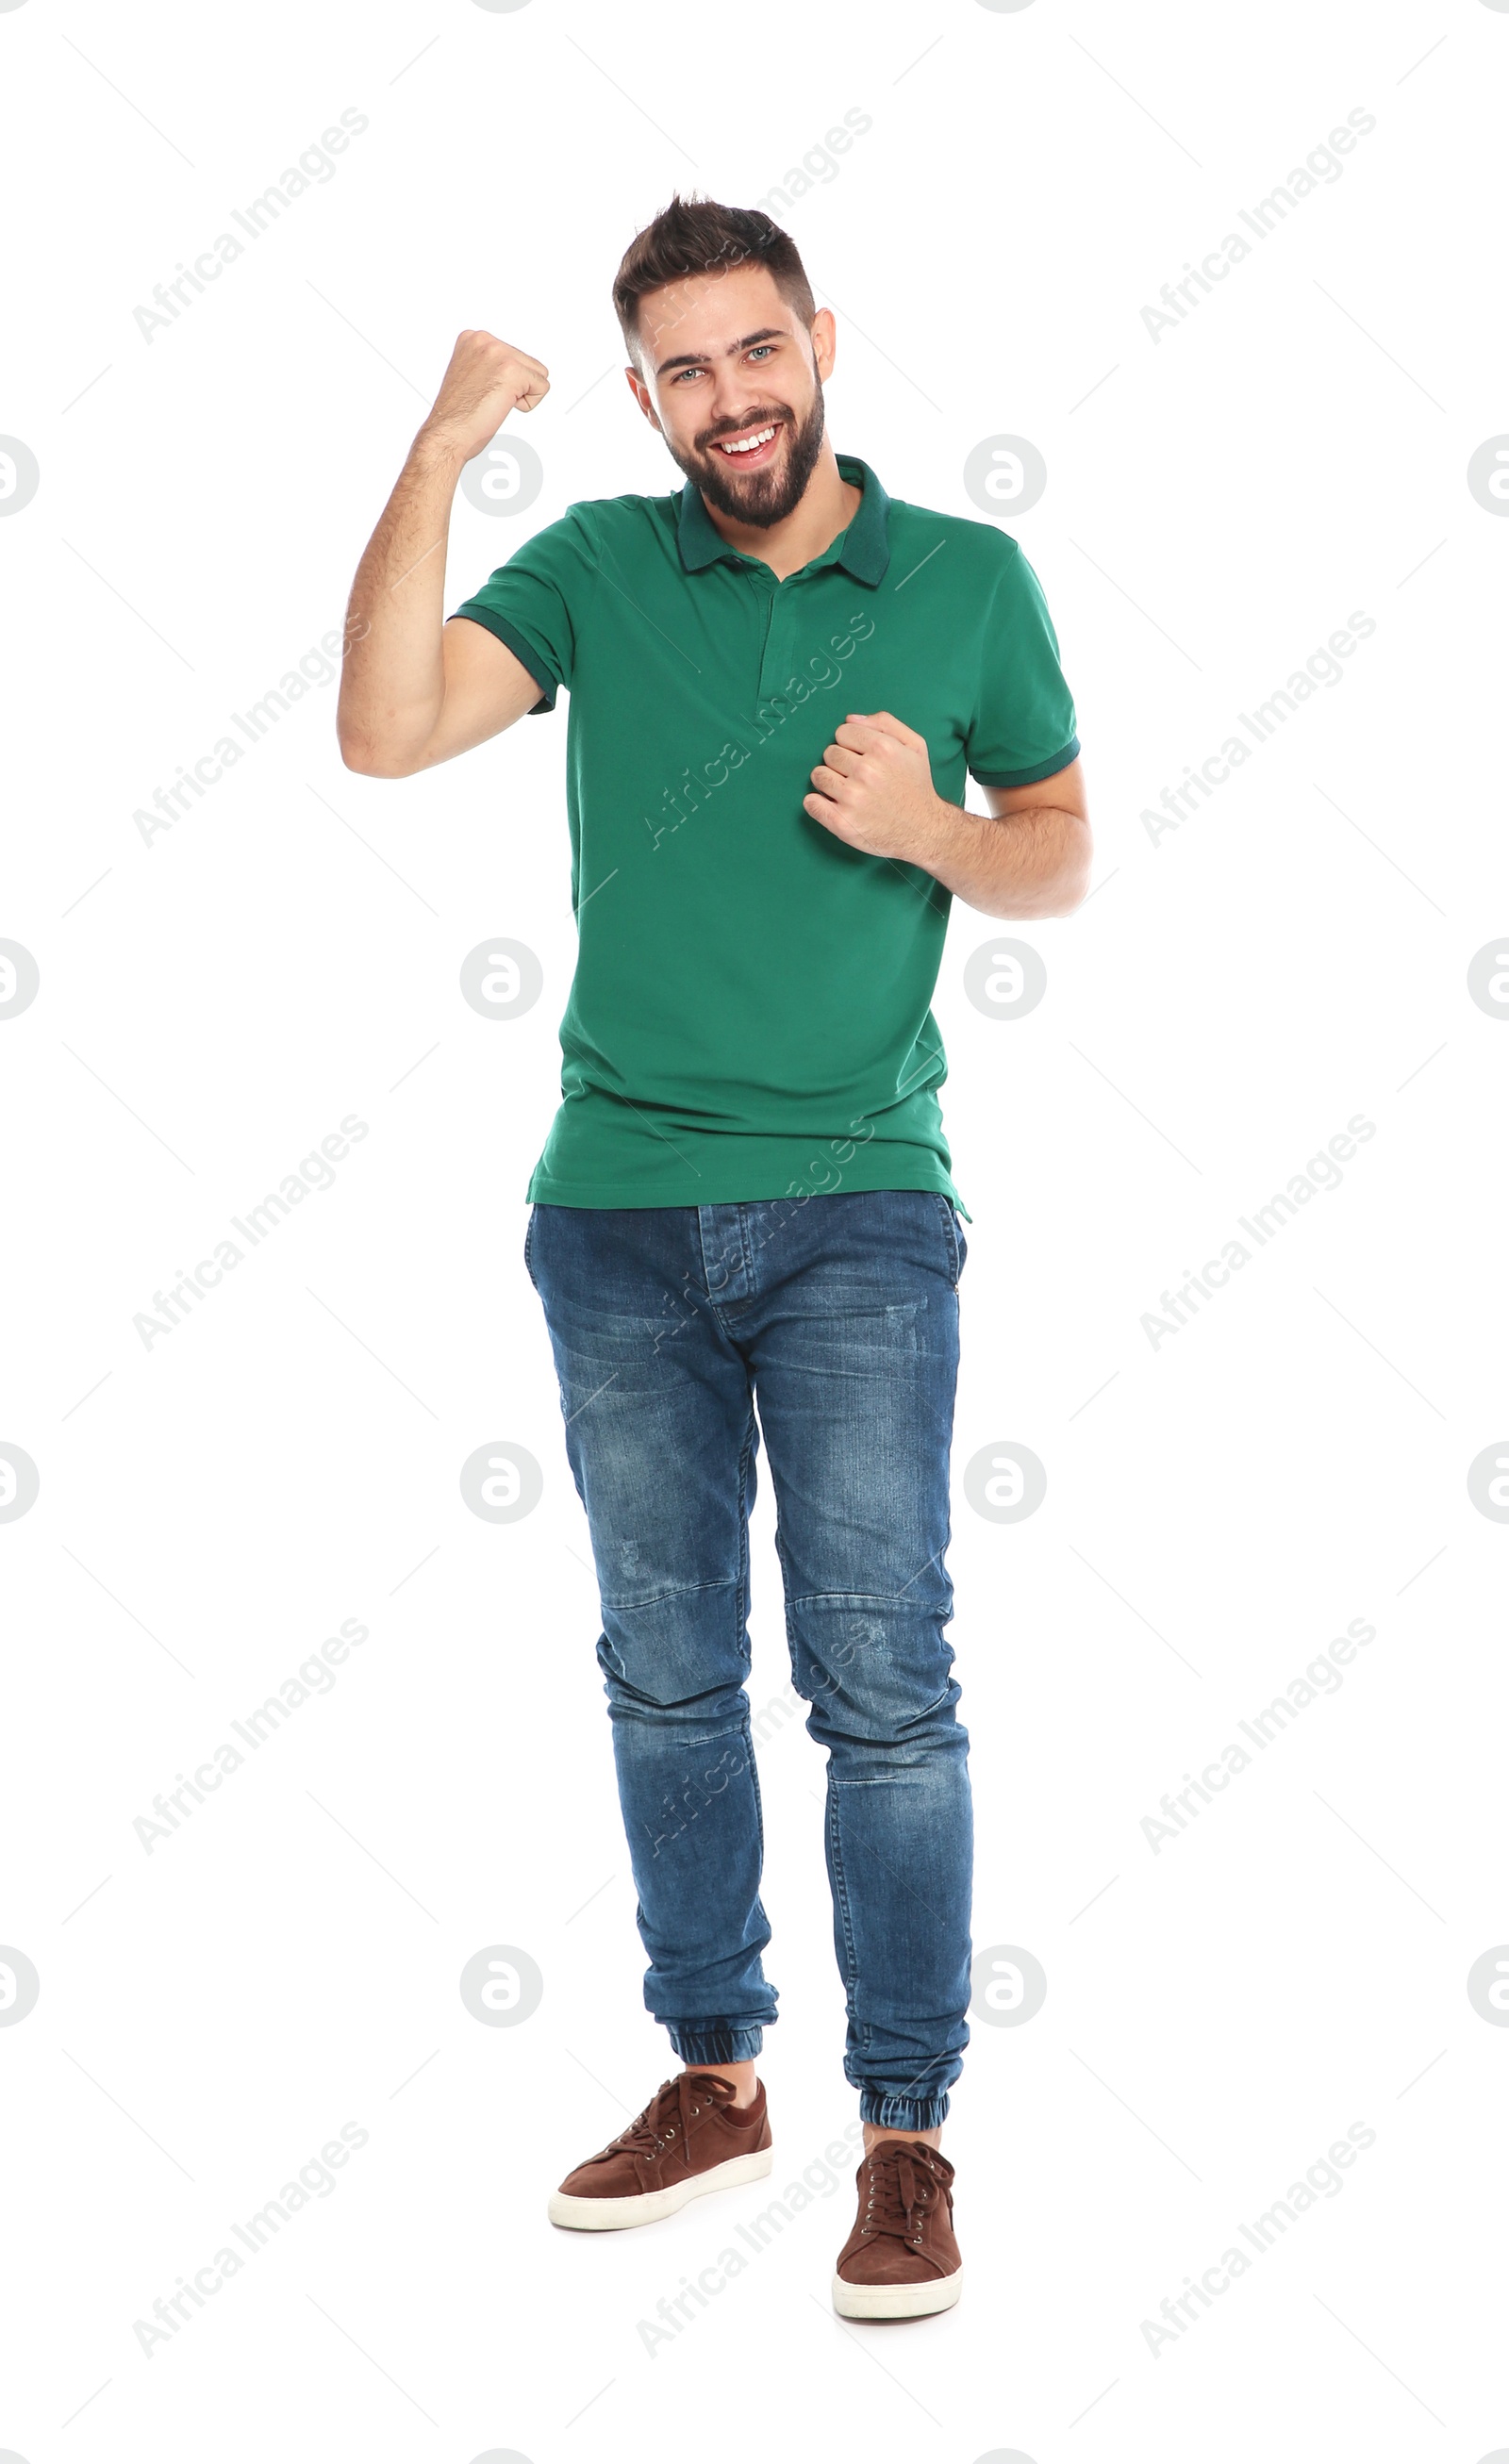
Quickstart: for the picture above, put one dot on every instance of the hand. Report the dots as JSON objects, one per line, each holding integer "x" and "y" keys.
{"x": 875, "y": 788}
{"x": 485, "y": 380}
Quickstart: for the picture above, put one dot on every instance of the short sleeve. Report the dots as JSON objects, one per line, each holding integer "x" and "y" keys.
{"x": 535, "y": 603}
{"x": 1023, "y": 727}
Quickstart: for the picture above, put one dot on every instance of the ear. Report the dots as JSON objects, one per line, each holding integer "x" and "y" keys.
{"x": 825, "y": 342}
{"x": 642, "y": 396}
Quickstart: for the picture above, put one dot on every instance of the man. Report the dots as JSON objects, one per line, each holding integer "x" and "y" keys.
{"x": 778, "y": 678}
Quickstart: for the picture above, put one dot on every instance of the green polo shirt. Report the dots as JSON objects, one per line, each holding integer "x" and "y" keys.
{"x": 749, "y": 1016}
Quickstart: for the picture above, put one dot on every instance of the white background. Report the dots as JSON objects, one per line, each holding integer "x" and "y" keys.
{"x": 214, "y": 1002}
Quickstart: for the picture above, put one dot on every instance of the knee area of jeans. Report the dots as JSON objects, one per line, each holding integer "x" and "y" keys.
{"x": 932, "y": 1762}
{"x": 680, "y": 1646}
{"x": 875, "y": 1661}
{"x": 908, "y": 1734}
{"x": 868, "y": 1613}
{"x": 702, "y": 1711}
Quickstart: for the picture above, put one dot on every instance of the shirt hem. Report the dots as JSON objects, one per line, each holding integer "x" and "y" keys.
{"x": 522, "y": 648}
{"x": 746, "y": 1188}
{"x": 1028, "y": 778}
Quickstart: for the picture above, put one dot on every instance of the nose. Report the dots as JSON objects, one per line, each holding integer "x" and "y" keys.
{"x": 732, "y": 407}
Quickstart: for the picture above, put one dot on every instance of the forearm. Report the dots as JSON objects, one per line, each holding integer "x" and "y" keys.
{"x": 392, "y": 681}
{"x": 1031, "y": 863}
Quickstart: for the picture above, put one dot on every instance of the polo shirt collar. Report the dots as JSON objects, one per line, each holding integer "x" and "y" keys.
{"x": 865, "y": 550}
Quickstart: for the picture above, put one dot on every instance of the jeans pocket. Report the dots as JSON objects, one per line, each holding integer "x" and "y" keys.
{"x": 529, "y": 1237}
{"x": 953, "y": 1238}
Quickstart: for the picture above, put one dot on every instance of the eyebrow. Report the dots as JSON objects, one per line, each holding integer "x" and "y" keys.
{"x": 697, "y": 359}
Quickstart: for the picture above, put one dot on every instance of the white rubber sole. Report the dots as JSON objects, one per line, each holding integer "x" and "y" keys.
{"x": 648, "y": 2206}
{"x": 897, "y": 2301}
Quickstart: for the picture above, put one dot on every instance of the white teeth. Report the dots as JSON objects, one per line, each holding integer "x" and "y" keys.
{"x": 747, "y": 444}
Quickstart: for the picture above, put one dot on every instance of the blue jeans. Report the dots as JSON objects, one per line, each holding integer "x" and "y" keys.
{"x": 839, "y": 1316}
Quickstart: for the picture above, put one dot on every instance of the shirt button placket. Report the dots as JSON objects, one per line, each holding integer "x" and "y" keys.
{"x": 775, "y": 665}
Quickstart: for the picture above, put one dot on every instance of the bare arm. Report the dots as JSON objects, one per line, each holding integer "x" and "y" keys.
{"x": 1030, "y": 856}
{"x": 415, "y": 690}
{"x": 1035, "y": 851}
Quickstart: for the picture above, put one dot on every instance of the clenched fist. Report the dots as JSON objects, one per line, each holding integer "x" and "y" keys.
{"x": 485, "y": 380}
{"x": 875, "y": 788}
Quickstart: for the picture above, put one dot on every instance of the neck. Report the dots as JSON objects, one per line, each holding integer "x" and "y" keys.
{"x": 827, "y": 506}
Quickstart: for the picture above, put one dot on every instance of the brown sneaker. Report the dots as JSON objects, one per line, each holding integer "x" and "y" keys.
{"x": 687, "y": 2140}
{"x": 901, "y": 2260}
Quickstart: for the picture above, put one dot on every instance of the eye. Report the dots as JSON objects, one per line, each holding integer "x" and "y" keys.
{"x": 760, "y": 349}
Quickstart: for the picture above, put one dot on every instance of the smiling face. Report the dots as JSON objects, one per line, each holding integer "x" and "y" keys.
{"x": 731, "y": 377}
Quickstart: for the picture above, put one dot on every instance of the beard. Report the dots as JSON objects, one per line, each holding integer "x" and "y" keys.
{"x": 762, "y": 498}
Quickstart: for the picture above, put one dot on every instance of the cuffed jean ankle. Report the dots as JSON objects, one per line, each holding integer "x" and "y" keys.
{"x": 838, "y": 1315}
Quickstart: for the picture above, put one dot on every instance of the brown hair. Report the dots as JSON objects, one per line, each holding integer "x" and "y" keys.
{"x": 694, "y": 235}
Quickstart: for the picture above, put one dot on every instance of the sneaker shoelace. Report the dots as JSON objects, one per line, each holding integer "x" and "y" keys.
{"x": 669, "y": 2116}
{"x": 900, "y": 2190}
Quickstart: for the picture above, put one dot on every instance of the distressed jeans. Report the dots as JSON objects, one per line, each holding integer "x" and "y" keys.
{"x": 835, "y": 1318}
